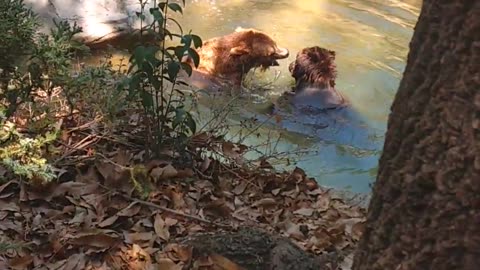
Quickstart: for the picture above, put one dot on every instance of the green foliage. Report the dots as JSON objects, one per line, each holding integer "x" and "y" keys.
{"x": 17, "y": 28}
{"x": 49, "y": 61}
{"x": 154, "y": 76}
{"x": 25, "y": 156}
{"x": 32, "y": 66}
{"x": 95, "y": 87}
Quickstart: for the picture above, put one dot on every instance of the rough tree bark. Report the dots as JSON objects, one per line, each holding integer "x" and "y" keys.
{"x": 425, "y": 211}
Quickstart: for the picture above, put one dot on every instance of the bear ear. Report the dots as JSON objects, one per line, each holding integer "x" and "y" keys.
{"x": 239, "y": 50}
{"x": 239, "y": 29}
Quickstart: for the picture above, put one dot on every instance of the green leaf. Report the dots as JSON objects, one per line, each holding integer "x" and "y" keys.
{"x": 197, "y": 41}
{"x": 180, "y": 52}
{"x": 190, "y": 122}
{"x": 139, "y": 55}
{"x": 157, "y": 15}
{"x": 173, "y": 69}
{"x": 147, "y": 100}
{"x": 194, "y": 55}
{"x": 175, "y": 7}
{"x": 140, "y": 15}
{"x": 179, "y": 117}
{"x": 187, "y": 40}
{"x": 187, "y": 68}
{"x": 162, "y": 5}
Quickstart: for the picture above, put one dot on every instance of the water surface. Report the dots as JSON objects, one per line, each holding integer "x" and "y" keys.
{"x": 371, "y": 40}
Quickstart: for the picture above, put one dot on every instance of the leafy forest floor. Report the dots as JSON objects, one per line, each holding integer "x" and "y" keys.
{"x": 114, "y": 209}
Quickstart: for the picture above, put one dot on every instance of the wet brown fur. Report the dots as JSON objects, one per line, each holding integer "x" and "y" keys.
{"x": 314, "y": 67}
{"x": 232, "y": 56}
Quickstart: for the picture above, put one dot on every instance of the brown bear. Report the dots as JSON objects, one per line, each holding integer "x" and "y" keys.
{"x": 229, "y": 58}
{"x": 315, "y": 72}
{"x": 315, "y": 107}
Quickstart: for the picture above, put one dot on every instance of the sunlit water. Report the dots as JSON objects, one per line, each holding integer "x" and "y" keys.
{"x": 371, "y": 40}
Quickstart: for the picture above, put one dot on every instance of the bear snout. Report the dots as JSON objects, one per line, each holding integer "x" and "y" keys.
{"x": 281, "y": 53}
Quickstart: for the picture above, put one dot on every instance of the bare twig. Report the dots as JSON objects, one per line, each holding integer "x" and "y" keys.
{"x": 168, "y": 210}
{"x": 81, "y": 145}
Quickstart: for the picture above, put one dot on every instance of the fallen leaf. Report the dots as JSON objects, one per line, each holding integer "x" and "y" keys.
{"x": 163, "y": 173}
{"x": 323, "y": 203}
{"x": 21, "y": 263}
{"x": 276, "y": 191}
{"x": 161, "y": 229}
{"x": 178, "y": 252}
{"x": 108, "y": 222}
{"x": 75, "y": 262}
{"x": 114, "y": 175}
{"x": 205, "y": 164}
{"x": 131, "y": 238}
{"x": 311, "y": 184}
{"x": 354, "y": 227}
{"x": 218, "y": 208}
{"x": 357, "y": 230}
{"x": 11, "y": 225}
{"x": 319, "y": 242}
{"x": 238, "y": 202}
{"x": 167, "y": 264}
{"x": 293, "y": 230}
{"x": 122, "y": 158}
{"x": 265, "y": 203}
{"x": 98, "y": 240}
{"x": 185, "y": 173}
{"x": 170, "y": 221}
{"x": 4, "y": 186}
{"x": 90, "y": 176}
{"x": 138, "y": 258}
{"x": 233, "y": 151}
{"x": 239, "y": 189}
{"x": 176, "y": 197}
{"x": 304, "y": 212}
{"x": 74, "y": 189}
{"x": 56, "y": 265}
{"x": 10, "y": 207}
{"x": 131, "y": 210}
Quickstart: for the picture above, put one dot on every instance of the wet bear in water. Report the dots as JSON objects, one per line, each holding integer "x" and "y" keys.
{"x": 227, "y": 59}
{"x": 315, "y": 107}
{"x": 315, "y": 72}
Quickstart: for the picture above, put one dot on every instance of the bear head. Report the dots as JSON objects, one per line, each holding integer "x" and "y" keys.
{"x": 314, "y": 67}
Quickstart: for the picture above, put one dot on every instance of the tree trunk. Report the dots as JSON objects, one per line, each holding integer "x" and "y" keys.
{"x": 425, "y": 211}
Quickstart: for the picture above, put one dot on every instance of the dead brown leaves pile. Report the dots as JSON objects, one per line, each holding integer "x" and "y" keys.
{"x": 92, "y": 221}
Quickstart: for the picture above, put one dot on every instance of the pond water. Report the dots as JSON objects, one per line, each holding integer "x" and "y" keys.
{"x": 371, "y": 41}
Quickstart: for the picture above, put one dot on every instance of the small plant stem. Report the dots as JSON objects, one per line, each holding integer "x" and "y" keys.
{"x": 161, "y": 119}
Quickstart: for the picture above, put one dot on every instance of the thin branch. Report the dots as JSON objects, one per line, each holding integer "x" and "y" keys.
{"x": 168, "y": 210}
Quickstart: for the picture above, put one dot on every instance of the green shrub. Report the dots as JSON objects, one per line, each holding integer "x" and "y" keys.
{"x": 18, "y": 25}
{"x": 154, "y": 77}
{"x": 24, "y": 156}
